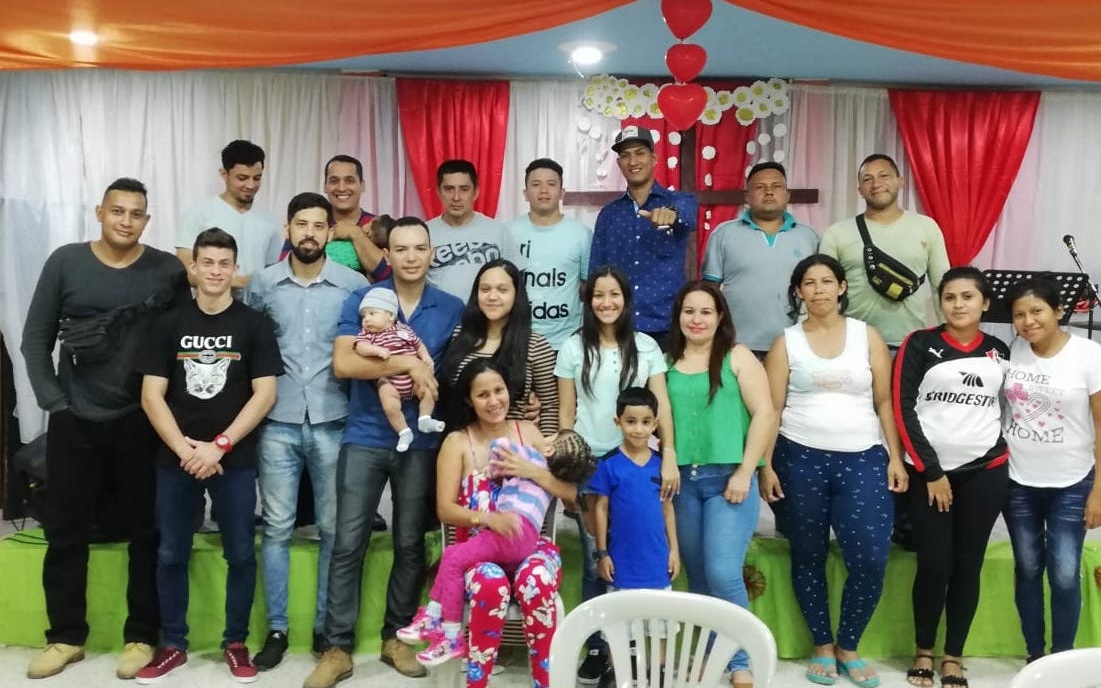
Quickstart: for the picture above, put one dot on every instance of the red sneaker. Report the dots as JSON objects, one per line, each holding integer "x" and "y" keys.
{"x": 241, "y": 667}
{"x": 165, "y": 660}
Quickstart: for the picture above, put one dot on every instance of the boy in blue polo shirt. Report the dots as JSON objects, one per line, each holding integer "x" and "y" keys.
{"x": 641, "y": 551}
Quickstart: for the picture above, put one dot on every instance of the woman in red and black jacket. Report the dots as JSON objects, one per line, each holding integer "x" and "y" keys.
{"x": 947, "y": 402}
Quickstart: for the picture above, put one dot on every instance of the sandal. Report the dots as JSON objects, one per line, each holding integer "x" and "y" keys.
{"x": 846, "y": 669}
{"x": 822, "y": 679}
{"x": 952, "y": 680}
{"x": 921, "y": 674}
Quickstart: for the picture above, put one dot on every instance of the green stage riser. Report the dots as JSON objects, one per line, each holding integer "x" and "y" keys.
{"x": 995, "y": 633}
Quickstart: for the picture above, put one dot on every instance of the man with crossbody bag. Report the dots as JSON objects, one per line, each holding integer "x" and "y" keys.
{"x": 888, "y": 253}
{"x": 97, "y": 298}
{"x": 906, "y": 249}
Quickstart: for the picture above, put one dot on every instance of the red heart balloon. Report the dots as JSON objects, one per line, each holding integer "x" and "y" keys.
{"x": 685, "y": 61}
{"x": 682, "y": 104}
{"x": 685, "y": 17}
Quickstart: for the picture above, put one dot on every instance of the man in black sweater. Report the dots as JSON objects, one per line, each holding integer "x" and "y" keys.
{"x": 97, "y": 298}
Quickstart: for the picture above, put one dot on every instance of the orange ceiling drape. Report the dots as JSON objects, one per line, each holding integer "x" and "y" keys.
{"x": 199, "y": 34}
{"x": 1051, "y": 37}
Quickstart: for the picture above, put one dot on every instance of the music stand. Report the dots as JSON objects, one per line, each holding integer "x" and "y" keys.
{"x": 1072, "y": 286}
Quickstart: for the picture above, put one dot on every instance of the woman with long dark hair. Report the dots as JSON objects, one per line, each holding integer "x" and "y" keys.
{"x": 496, "y": 323}
{"x": 594, "y": 365}
{"x": 725, "y": 423}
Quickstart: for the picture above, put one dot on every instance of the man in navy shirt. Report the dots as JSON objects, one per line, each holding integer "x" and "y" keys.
{"x": 645, "y": 232}
{"x": 368, "y": 461}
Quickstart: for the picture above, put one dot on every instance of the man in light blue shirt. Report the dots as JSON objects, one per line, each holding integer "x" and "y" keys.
{"x": 754, "y": 254}
{"x": 552, "y": 251}
{"x": 303, "y": 295}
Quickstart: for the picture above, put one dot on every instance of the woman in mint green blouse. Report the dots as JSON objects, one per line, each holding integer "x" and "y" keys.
{"x": 723, "y": 423}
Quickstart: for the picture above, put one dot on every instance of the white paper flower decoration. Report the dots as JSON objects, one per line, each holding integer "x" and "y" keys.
{"x": 780, "y": 105}
{"x": 745, "y": 115}
{"x": 653, "y": 109}
{"x": 637, "y": 109}
{"x": 671, "y": 163}
{"x": 750, "y": 147}
{"x": 656, "y": 134}
{"x": 674, "y": 138}
{"x": 711, "y": 115}
{"x": 764, "y": 138}
{"x": 708, "y": 153}
{"x": 780, "y": 130}
{"x": 758, "y": 89}
{"x": 648, "y": 91}
{"x": 742, "y": 96}
{"x": 725, "y": 99}
{"x": 778, "y": 155}
{"x": 707, "y": 182}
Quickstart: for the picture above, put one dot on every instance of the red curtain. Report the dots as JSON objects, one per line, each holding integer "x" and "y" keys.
{"x": 443, "y": 119}
{"x": 965, "y": 149}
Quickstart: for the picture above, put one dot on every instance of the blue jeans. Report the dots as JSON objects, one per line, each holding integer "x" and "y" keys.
{"x": 285, "y": 449}
{"x": 234, "y": 496}
{"x": 1047, "y": 527}
{"x": 714, "y": 535}
{"x": 361, "y": 475}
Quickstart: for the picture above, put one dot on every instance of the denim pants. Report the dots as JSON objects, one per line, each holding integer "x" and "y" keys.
{"x": 285, "y": 449}
{"x": 714, "y": 535}
{"x": 82, "y": 458}
{"x": 1047, "y": 528}
{"x": 234, "y": 496}
{"x": 361, "y": 475}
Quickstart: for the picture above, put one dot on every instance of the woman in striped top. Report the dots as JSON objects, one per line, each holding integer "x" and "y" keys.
{"x": 496, "y": 324}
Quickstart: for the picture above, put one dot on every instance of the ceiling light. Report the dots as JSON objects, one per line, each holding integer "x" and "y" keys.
{"x": 84, "y": 38}
{"x": 586, "y": 55}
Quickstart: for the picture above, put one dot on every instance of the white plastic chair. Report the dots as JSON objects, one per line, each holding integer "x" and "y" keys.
{"x": 624, "y": 614}
{"x": 1070, "y": 669}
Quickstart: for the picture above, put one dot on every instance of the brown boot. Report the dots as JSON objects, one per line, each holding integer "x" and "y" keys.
{"x": 335, "y": 666}
{"x": 400, "y": 656}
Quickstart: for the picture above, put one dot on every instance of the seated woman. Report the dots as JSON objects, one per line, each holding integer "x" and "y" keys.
{"x": 831, "y": 382}
{"x": 466, "y": 497}
{"x": 496, "y": 324}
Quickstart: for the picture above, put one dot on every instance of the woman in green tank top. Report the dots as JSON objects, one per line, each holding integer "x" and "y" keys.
{"x": 724, "y": 423}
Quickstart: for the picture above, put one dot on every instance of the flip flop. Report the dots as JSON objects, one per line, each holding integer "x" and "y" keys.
{"x": 846, "y": 669}
{"x": 822, "y": 679}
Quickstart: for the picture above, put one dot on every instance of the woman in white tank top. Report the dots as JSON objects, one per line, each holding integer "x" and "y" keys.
{"x": 830, "y": 378}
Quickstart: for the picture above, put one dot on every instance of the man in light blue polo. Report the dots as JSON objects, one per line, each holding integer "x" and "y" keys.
{"x": 303, "y": 295}
{"x": 552, "y": 250}
{"x": 754, "y": 254}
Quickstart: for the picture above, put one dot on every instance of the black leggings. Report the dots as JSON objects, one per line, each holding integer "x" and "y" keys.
{"x": 951, "y": 547}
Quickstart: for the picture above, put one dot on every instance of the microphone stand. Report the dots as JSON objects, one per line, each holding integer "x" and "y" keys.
{"x": 1093, "y": 297}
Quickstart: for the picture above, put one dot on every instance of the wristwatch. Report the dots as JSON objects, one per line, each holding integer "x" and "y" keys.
{"x": 223, "y": 442}
{"x": 599, "y": 554}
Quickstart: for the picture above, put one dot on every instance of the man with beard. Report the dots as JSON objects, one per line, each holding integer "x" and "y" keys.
{"x": 912, "y": 239}
{"x": 303, "y": 295}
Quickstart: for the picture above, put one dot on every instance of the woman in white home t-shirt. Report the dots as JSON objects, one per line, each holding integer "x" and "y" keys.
{"x": 1053, "y": 390}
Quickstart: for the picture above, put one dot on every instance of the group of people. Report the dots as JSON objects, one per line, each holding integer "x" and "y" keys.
{"x": 476, "y": 367}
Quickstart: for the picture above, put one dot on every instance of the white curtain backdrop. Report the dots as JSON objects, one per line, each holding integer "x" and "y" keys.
{"x": 66, "y": 135}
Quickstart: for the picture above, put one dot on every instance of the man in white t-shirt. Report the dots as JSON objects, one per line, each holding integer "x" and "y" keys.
{"x": 257, "y": 232}
{"x": 552, "y": 251}
{"x": 464, "y": 239}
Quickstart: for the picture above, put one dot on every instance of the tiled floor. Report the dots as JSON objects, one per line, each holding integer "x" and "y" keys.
{"x": 207, "y": 670}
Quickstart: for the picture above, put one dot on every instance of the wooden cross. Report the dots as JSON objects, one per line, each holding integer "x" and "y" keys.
{"x": 598, "y": 199}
